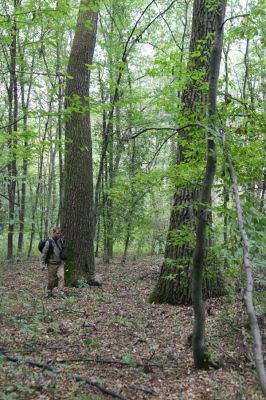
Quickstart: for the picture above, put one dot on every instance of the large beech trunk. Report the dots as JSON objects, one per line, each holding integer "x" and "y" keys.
{"x": 174, "y": 285}
{"x": 77, "y": 211}
{"x": 200, "y": 353}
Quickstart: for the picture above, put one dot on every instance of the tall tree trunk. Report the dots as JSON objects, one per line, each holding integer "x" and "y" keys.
{"x": 225, "y": 187}
{"x": 13, "y": 126}
{"x": 36, "y": 198}
{"x": 22, "y": 204}
{"x": 201, "y": 358}
{"x": 78, "y": 212}
{"x": 174, "y": 285}
{"x": 129, "y": 217}
{"x": 60, "y": 127}
{"x": 25, "y": 99}
{"x": 48, "y": 209}
{"x": 127, "y": 238}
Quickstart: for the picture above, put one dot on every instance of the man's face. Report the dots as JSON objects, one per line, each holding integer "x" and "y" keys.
{"x": 57, "y": 234}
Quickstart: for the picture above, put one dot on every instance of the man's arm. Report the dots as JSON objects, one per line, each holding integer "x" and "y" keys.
{"x": 45, "y": 252}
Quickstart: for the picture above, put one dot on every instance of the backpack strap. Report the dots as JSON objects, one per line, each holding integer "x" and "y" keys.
{"x": 61, "y": 243}
{"x": 50, "y": 249}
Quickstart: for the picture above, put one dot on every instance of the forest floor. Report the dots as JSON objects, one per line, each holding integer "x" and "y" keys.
{"x": 109, "y": 338}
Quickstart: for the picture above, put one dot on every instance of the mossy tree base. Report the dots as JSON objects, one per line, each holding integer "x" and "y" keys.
{"x": 178, "y": 289}
{"x": 78, "y": 269}
{"x": 205, "y": 360}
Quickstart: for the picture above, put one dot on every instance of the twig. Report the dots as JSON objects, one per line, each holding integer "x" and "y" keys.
{"x": 170, "y": 30}
{"x": 147, "y": 391}
{"x": 178, "y": 129}
{"x": 92, "y": 360}
{"x": 55, "y": 371}
{"x": 101, "y": 361}
{"x": 7, "y": 198}
{"x": 227, "y": 354}
{"x": 234, "y": 17}
{"x": 62, "y": 361}
{"x": 231, "y": 332}
{"x": 13, "y": 123}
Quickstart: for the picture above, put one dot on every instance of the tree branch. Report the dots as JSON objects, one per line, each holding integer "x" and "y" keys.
{"x": 7, "y": 198}
{"x": 55, "y": 371}
{"x": 146, "y": 28}
{"x": 208, "y": 129}
{"x": 133, "y": 30}
{"x": 13, "y": 123}
{"x": 234, "y": 17}
{"x": 170, "y": 30}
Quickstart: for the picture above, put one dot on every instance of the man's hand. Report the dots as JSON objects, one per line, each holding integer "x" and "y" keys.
{"x": 43, "y": 267}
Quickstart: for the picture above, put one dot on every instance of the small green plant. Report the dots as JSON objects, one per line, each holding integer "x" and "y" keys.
{"x": 125, "y": 321}
{"x": 82, "y": 283}
{"x": 70, "y": 300}
{"x": 23, "y": 388}
{"x": 9, "y": 396}
{"x": 91, "y": 344}
{"x": 129, "y": 360}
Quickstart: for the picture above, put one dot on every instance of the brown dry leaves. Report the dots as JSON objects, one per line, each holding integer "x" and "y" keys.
{"x": 113, "y": 336}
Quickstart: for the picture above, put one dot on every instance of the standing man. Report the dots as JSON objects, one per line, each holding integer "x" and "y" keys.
{"x": 52, "y": 259}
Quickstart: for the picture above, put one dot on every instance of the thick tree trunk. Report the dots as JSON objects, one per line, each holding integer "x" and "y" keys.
{"x": 174, "y": 285}
{"x": 201, "y": 357}
{"x": 78, "y": 212}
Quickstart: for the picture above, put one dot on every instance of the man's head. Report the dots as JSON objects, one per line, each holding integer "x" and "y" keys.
{"x": 57, "y": 233}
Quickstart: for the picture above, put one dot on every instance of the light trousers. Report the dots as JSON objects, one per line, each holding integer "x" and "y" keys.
{"x": 55, "y": 277}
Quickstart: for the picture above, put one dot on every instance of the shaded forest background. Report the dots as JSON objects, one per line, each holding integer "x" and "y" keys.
{"x": 134, "y": 178}
{"x": 105, "y": 135}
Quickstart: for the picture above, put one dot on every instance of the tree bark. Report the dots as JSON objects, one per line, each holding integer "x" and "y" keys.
{"x": 77, "y": 211}
{"x": 60, "y": 128}
{"x": 13, "y": 126}
{"x": 201, "y": 356}
{"x": 174, "y": 285}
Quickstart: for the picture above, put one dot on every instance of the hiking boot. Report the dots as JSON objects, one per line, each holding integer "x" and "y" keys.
{"x": 50, "y": 296}
{"x": 60, "y": 295}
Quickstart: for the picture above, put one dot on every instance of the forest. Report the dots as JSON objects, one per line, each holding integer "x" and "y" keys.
{"x": 138, "y": 127}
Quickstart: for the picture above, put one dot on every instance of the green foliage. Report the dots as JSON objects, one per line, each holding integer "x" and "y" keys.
{"x": 212, "y": 5}
{"x": 124, "y": 321}
{"x": 91, "y": 344}
{"x": 129, "y": 360}
{"x": 140, "y": 175}
{"x": 82, "y": 283}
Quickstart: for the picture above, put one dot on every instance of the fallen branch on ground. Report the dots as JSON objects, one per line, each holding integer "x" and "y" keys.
{"x": 226, "y": 353}
{"x": 56, "y": 372}
{"x": 147, "y": 391}
{"x": 116, "y": 362}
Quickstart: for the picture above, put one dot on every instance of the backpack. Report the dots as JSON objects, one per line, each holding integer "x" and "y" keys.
{"x": 42, "y": 244}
